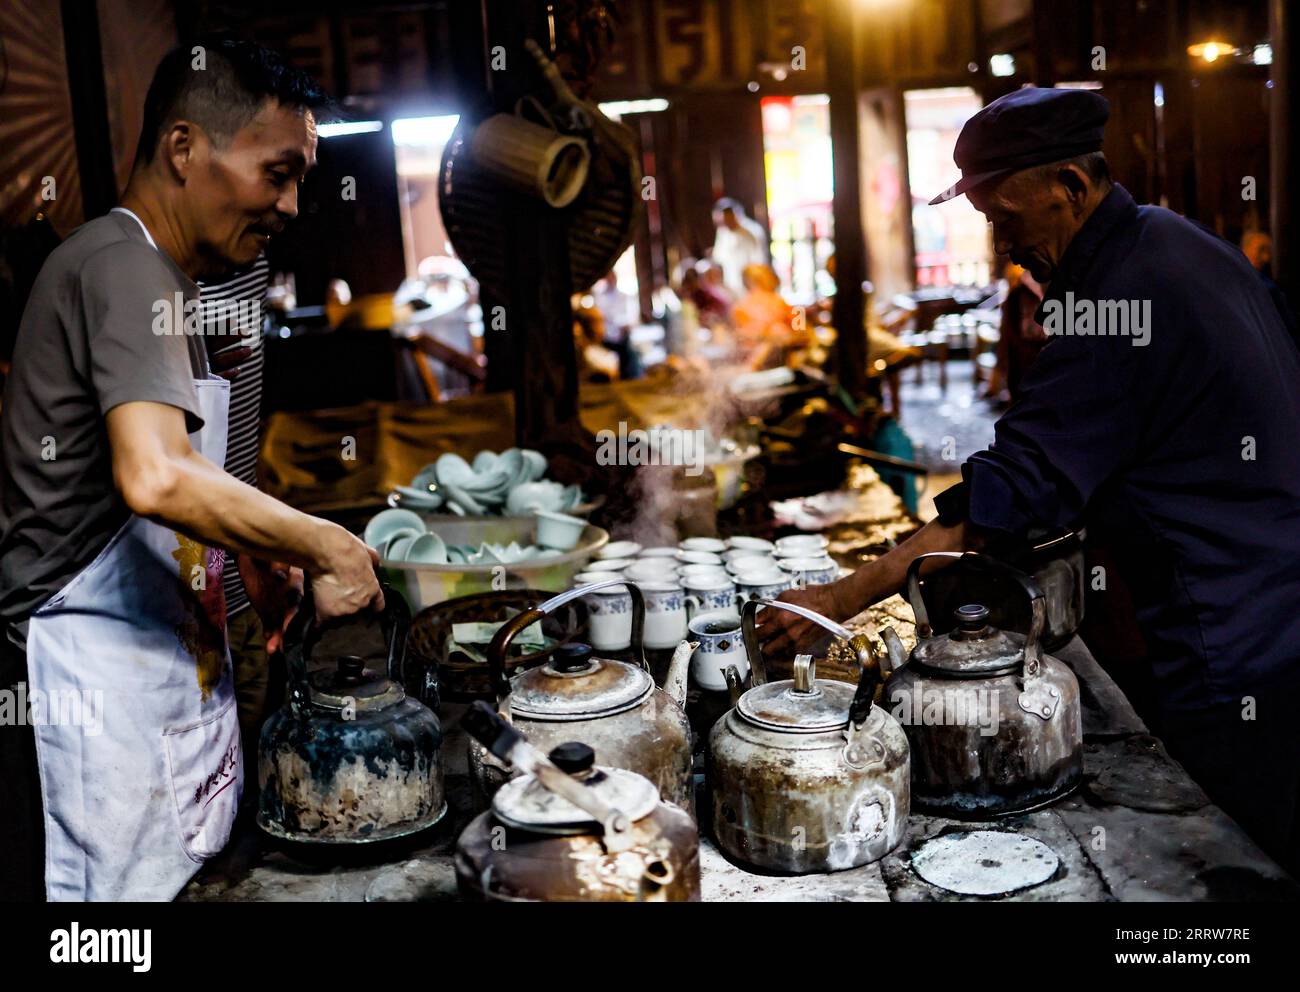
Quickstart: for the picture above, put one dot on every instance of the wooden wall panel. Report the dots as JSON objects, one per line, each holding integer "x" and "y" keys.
{"x": 135, "y": 35}
{"x": 36, "y": 134}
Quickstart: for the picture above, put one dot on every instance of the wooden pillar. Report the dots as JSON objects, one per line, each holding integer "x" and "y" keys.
{"x": 850, "y": 242}
{"x": 81, "y": 46}
{"x": 1044, "y": 20}
{"x": 1285, "y": 206}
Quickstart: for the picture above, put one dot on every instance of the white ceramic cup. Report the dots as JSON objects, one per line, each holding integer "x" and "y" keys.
{"x": 665, "y": 614}
{"x": 710, "y": 544}
{"x": 742, "y": 543}
{"x": 609, "y": 616}
{"x": 619, "y": 549}
{"x": 811, "y": 571}
{"x": 700, "y": 571}
{"x": 652, "y": 570}
{"x": 609, "y": 564}
{"x": 721, "y": 644}
{"x": 709, "y": 594}
{"x": 698, "y": 558}
{"x": 749, "y": 562}
{"x": 761, "y": 586}
{"x": 801, "y": 546}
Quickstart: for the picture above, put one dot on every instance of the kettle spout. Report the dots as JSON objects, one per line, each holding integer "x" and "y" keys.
{"x": 894, "y": 648}
{"x": 678, "y": 671}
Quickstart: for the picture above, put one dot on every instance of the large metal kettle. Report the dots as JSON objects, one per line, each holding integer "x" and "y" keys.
{"x": 350, "y": 758}
{"x": 994, "y": 724}
{"x": 612, "y": 706}
{"x": 807, "y": 775}
{"x": 570, "y": 830}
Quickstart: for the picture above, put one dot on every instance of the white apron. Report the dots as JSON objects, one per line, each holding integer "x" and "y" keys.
{"x": 133, "y": 811}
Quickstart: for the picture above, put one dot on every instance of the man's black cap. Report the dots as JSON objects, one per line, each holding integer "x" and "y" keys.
{"x": 1029, "y": 127}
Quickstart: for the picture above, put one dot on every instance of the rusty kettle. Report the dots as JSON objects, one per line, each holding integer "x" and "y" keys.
{"x": 612, "y": 706}
{"x": 994, "y": 724}
{"x": 570, "y": 830}
{"x": 350, "y": 758}
{"x": 808, "y": 775}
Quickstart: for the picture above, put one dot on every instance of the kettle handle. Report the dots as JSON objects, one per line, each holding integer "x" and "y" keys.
{"x": 303, "y": 632}
{"x": 503, "y": 741}
{"x": 1037, "y": 601}
{"x": 860, "y": 644}
{"x": 508, "y": 631}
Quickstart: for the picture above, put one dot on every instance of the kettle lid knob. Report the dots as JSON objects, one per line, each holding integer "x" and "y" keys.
{"x": 571, "y": 657}
{"x": 972, "y": 616}
{"x": 573, "y": 757}
{"x": 351, "y": 667}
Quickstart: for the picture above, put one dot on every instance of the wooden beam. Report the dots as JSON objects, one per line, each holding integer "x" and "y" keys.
{"x": 848, "y": 311}
{"x": 81, "y": 44}
{"x": 1285, "y": 207}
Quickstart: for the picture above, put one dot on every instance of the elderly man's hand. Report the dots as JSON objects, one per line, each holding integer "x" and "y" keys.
{"x": 782, "y": 633}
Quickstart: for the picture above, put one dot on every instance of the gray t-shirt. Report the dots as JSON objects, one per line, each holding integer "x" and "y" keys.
{"x": 86, "y": 344}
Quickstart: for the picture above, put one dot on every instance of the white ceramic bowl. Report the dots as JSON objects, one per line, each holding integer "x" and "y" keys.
{"x": 610, "y": 564}
{"x": 750, "y": 563}
{"x": 427, "y": 549}
{"x": 698, "y": 558}
{"x": 743, "y": 543}
{"x": 801, "y": 546}
{"x": 558, "y": 530}
{"x": 386, "y": 523}
{"x": 709, "y": 544}
{"x": 702, "y": 571}
{"x": 620, "y": 549}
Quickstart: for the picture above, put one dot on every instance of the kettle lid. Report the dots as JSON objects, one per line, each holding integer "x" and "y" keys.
{"x": 974, "y": 647}
{"x": 801, "y": 705}
{"x": 576, "y": 685}
{"x": 351, "y": 684}
{"x": 526, "y": 804}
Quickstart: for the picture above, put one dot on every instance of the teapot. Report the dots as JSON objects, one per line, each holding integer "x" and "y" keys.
{"x": 350, "y": 758}
{"x": 994, "y": 724}
{"x": 571, "y": 830}
{"x": 612, "y": 706}
{"x": 808, "y": 776}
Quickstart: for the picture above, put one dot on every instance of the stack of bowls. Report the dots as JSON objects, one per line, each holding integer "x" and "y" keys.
{"x": 510, "y": 482}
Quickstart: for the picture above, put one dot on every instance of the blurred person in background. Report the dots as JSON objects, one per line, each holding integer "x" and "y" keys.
{"x": 739, "y": 242}
{"x": 766, "y": 331}
{"x": 1021, "y": 335}
{"x": 1257, "y": 246}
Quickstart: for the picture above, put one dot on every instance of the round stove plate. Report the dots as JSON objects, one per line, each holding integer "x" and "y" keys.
{"x": 985, "y": 862}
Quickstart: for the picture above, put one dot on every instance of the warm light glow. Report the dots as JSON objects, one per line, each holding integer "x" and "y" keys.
{"x": 1211, "y": 51}
{"x": 427, "y": 131}
{"x": 617, "y": 108}
{"x": 348, "y": 127}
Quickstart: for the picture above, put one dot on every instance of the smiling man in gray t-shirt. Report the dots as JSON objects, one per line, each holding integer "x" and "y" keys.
{"x": 58, "y": 505}
{"x": 97, "y": 439}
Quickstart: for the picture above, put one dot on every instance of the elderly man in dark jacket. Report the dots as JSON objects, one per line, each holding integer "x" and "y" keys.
{"x": 1164, "y": 413}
